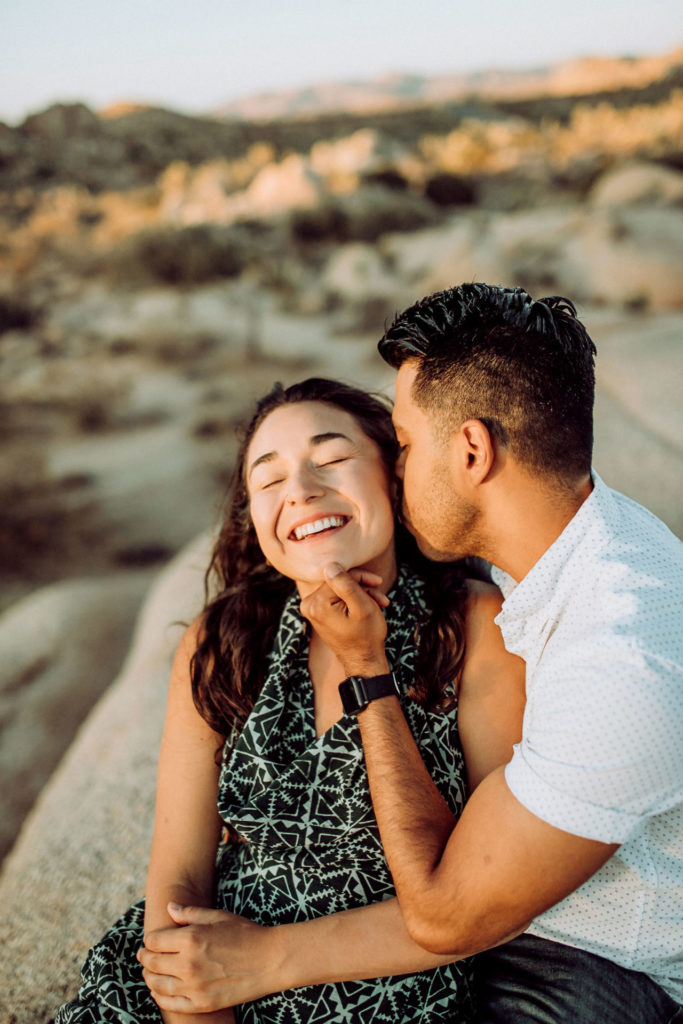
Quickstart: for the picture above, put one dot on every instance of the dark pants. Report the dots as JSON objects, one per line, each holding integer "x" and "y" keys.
{"x": 534, "y": 981}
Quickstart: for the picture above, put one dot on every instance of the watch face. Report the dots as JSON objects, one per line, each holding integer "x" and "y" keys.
{"x": 357, "y": 692}
{"x": 353, "y": 695}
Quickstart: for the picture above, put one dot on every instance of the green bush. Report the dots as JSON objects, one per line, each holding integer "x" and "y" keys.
{"x": 190, "y": 255}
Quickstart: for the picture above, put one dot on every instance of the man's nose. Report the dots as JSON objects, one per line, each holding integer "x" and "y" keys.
{"x": 400, "y": 464}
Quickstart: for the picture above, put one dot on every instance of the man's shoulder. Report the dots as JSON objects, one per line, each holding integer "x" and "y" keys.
{"x": 617, "y": 603}
{"x": 626, "y": 524}
{"x": 626, "y": 548}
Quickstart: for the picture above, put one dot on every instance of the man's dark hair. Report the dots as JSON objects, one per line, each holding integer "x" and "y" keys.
{"x": 524, "y": 367}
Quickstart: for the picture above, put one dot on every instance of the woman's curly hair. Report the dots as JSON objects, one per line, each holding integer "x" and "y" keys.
{"x": 239, "y": 624}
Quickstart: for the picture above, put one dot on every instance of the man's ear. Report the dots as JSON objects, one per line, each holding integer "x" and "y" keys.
{"x": 475, "y": 451}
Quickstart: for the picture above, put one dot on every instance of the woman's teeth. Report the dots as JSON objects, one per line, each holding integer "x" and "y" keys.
{"x": 318, "y": 526}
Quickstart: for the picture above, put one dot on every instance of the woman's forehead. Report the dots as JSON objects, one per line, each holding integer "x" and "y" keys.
{"x": 303, "y": 421}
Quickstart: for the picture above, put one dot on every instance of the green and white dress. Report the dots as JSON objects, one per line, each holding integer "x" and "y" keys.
{"x": 311, "y": 846}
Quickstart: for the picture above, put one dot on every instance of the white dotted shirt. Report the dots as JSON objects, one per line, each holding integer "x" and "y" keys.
{"x": 599, "y": 622}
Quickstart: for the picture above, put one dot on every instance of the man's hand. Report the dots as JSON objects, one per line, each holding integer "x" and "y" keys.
{"x": 346, "y": 613}
{"x": 215, "y": 960}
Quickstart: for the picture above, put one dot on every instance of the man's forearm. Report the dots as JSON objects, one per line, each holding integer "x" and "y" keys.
{"x": 463, "y": 888}
{"x": 414, "y": 820}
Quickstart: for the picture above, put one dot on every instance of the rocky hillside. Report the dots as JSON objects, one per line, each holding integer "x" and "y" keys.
{"x": 580, "y": 77}
{"x": 158, "y": 272}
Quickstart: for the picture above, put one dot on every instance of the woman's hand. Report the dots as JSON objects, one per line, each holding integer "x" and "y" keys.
{"x": 346, "y": 613}
{"x": 214, "y": 960}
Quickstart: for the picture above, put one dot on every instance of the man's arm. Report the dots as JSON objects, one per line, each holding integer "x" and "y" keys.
{"x": 464, "y": 887}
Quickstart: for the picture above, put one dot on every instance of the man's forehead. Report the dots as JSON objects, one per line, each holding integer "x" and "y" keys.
{"x": 404, "y": 383}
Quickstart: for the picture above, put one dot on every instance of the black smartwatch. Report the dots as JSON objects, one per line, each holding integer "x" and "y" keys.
{"x": 356, "y": 692}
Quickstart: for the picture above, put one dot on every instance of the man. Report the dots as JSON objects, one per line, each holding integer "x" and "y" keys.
{"x": 578, "y": 841}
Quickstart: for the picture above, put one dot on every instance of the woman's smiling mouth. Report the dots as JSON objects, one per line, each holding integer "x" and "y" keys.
{"x": 317, "y": 526}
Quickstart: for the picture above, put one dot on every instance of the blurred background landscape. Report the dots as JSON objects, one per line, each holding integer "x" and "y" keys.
{"x": 159, "y": 270}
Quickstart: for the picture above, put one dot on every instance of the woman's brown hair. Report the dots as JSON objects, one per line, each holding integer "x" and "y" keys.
{"x": 239, "y": 624}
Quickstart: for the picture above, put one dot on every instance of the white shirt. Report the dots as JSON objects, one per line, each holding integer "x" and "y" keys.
{"x": 599, "y": 622}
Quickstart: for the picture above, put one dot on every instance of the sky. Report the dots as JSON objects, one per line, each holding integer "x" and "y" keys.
{"x": 193, "y": 57}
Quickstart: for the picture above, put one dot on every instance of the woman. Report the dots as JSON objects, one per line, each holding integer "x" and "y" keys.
{"x": 313, "y": 484}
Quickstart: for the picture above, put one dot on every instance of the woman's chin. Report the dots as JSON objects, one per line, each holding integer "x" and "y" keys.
{"x": 311, "y": 577}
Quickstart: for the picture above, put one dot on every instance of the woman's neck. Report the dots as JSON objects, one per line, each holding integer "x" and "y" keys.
{"x": 384, "y": 565}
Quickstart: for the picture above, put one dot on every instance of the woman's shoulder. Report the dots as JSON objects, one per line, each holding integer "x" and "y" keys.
{"x": 194, "y": 633}
{"x": 483, "y": 639}
{"x": 484, "y": 646}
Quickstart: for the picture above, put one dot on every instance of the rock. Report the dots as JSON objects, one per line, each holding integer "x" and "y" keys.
{"x": 629, "y": 256}
{"x": 637, "y": 184}
{"x": 459, "y": 250}
{"x": 291, "y": 184}
{"x": 82, "y": 855}
{"x": 355, "y": 272}
{"x": 342, "y": 162}
{"x": 530, "y": 246}
{"x": 197, "y": 195}
{"x": 59, "y": 649}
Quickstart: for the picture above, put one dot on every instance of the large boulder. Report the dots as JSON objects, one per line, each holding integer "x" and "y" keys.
{"x": 59, "y": 650}
{"x": 638, "y": 183}
{"x": 628, "y": 256}
{"x": 638, "y": 413}
{"x": 81, "y": 857}
{"x": 291, "y": 184}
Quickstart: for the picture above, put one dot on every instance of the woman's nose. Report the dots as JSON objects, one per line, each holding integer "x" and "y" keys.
{"x": 303, "y": 485}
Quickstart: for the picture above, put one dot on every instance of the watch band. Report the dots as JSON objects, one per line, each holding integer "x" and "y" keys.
{"x": 356, "y": 692}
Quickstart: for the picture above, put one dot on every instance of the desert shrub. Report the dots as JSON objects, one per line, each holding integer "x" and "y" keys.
{"x": 388, "y": 178}
{"x": 39, "y": 514}
{"x": 327, "y": 222}
{"x": 141, "y": 556}
{"x": 362, "y": 217}
{"x": 190, "y": 255}
{"x": 15, "y": 313}
{"x": 450, "y": 190}
{"x": 375, "y": 212}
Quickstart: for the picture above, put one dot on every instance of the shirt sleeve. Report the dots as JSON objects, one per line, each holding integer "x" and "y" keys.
{"x": 601, "y": 750}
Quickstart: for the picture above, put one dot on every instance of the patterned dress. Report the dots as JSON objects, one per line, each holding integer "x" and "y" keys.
{"x": 311, "y": 848}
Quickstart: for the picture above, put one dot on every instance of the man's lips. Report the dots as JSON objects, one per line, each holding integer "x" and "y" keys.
{"x": 314, "y": 527}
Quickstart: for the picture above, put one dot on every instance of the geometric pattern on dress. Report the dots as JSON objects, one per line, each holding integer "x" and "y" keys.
{"x": 311, "y": 845}
{"x": 112, "y": 989}
{"x": 302, "y": 805}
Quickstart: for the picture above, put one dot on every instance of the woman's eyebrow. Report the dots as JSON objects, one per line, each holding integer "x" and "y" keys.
{"x": 266, "y": 457}
{"x": 314, "y": 442}
{"x": 330, "y": 436}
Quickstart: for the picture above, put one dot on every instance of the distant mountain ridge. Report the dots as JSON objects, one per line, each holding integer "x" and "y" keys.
{"x": 391, "y": 92}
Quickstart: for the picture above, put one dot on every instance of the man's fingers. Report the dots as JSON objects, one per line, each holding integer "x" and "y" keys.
{"x": 365, "y": 577}
{"x": 345, "y": 587}
{"x": 378, "y": 597}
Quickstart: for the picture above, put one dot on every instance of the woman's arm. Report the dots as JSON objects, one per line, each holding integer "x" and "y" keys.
{"x": 186, "y": 824}
{"x": 372, "y": 941}
{"x": 491, "y": 696}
